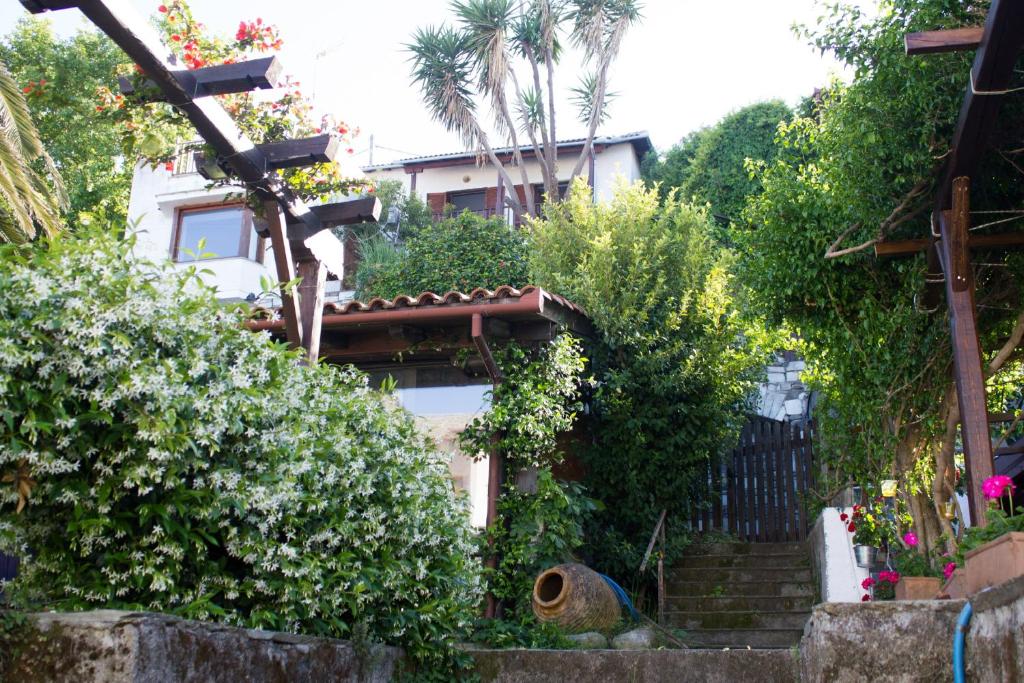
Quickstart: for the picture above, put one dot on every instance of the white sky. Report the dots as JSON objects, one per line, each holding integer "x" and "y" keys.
{"x": 686, "y": 65}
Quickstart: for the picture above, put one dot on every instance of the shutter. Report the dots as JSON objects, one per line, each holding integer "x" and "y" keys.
{"x": 436, "y": 202}
{"x": 490, "y": 201}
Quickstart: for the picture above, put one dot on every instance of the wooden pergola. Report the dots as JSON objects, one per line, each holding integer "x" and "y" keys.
{"x": 998, "y": 45}
{"x": 302, "y": 243}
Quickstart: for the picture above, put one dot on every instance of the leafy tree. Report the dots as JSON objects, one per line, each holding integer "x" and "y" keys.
{"x": 457, "y": 253}
{"x": 710, "y": 165}
{"x": 861, "y": 169}
{"x": 673, "y": 360}
{"x": 61, "y": 79}
{"x": 479, "y": 60}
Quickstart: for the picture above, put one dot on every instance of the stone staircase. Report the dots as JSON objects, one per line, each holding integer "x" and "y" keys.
{"x": 740, "y": 595}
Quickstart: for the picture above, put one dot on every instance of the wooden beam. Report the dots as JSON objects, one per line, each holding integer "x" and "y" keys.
{"x": 348, "y": 212}
{"x": 967, "y": 362}
{"x": 221, "y": 79}
{"x": 311, "y": 305}
{"x": 285, "y": 274}
{"x": 296, "y": 153}
{"x": 947, "y": 40}
{"x": 991, "y": 73}
{"x": 896, "y": 248}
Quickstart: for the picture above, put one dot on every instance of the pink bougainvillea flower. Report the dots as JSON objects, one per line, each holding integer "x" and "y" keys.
{"x": 995, "y": 487}
{"x": 910, "y": 538}
{"x": 867, "y": 583}
{"x": 866, "y": 598}
{"x": 948, "y": 570}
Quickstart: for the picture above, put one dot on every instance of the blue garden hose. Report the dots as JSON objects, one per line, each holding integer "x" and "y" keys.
{"x": 624, "y": 600}
{"x": 962, "y": 623}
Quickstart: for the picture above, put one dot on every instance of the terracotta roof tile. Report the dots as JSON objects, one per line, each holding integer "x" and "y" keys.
{"x": 428, "y": 299}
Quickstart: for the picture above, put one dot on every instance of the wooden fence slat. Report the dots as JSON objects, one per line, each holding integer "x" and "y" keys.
{"x": 760, "y": 489}
{"x": 804, "y": 473}
{"x": 716, "y": 492}
{"x": 778, "y": 512}
{"x": 773, "y": 449}
{"x": 730, "y": 493}
{"x": 789, "y": 472}
{"x": 705, "y": 509}
{"x": 751, "y": 468}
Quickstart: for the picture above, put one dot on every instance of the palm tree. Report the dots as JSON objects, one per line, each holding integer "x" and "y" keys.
{"x": 30, "y": 203}
{"x": 453, "y": 66}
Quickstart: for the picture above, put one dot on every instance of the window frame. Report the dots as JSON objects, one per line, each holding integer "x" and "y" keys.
{"x": 246, "y": 232}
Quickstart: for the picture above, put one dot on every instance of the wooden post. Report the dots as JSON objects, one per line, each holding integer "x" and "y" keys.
{"x": 285, "y": 273}
{"x": 496, "y": 461}
{"x": 311, "y": 305}
{"x": 967, "y": 364}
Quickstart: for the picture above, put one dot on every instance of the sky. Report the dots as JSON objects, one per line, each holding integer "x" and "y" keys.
{"x": 687, "y": 64}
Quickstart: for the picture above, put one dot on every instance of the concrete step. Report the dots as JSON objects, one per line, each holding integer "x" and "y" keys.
{"x": 712, "y": 587}
{"x": 720, "y": 561}
{"x": 649, "y": 666}
{"x": 740, "y": 603}
{"x": 737, "y": 548}
{"x": 737, "y": 620}
{"x": 761, "y": 638}
{"x": 728, "y": 575}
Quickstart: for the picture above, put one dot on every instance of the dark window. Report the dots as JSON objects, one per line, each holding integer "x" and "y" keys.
{"x": 227, "y": 231}
{"x": 474, "y": 200}
{"x": 538, "y": 192}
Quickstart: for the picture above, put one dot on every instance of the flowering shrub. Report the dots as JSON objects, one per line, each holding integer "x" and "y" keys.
{"x": 151, "y": 129}
{"x": 167, "y": 459}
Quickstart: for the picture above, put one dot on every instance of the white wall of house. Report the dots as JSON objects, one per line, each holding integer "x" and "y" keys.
{"x": 840, "y": 577}
{"x": 157, "y": 195}
{"x": 612, "y": 163}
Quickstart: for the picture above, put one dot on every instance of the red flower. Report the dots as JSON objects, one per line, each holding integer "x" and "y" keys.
{"x": 843, "y": 517}
{"x": 27, "y": 89}
{"x": 852, "y": 527}
{"x": 350, "y": 150}
{"x": 162, "y": 8}
{"x": 866, "y": 598}
{"x": 99, "y": 107}
{"x": 169, "y": 166}
{"x": 176, "y": 38}
{"x": 867, "y": 583}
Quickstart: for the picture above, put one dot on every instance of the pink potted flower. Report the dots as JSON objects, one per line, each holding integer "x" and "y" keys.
{"x": 995, "y": 553}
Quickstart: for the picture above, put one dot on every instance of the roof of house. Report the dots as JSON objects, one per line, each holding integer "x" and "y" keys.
{"x": 640, "y": 140}
{"x": 430, "y": 326}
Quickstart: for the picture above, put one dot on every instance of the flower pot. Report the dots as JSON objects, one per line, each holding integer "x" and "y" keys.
{"x": 576, "y": 598}
{"x": 995, "y": 562}
{"x": 918, "y": 587}
{"x": 866, "y": 555}
{"x": 956, "y": 586}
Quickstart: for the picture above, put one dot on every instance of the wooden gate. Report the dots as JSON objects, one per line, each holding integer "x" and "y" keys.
{"x": 758, "y": 492}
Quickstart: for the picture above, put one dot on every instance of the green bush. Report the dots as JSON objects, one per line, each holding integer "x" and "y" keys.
{"x": 458, "y": 253}
{"x": 183, "y": 464}
{"x": 673, "y": 361}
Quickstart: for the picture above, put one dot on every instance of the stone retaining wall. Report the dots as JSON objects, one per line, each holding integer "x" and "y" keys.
{"x": 124, "y": 647}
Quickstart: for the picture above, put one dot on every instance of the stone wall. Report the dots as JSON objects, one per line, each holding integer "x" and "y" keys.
{"x": 784, "y": 396}
{"x": 912, "y": 641}
{"x": 124, "y": 647}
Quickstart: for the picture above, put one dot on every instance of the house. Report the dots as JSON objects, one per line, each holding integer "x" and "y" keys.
{"x": 417, "y": 340}
{"x": 456, "y": 179}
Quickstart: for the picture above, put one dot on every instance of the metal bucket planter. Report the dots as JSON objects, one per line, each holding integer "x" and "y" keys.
{"x": 866, "y": 555}
{"x": 576, "y": 598}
